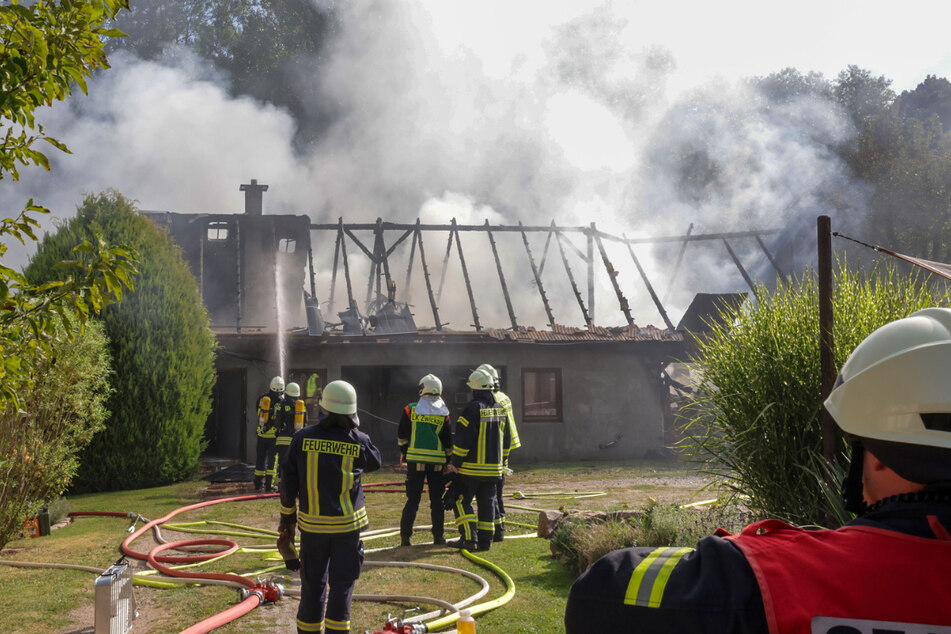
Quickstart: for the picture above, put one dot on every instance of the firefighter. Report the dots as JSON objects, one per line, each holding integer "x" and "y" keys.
{"x": 292, "y": 418}
{"x": 321, "y": 495}
{"x": 312, "y": 393}
{"x": 480, "y": 447}
{"x": 884, "y": 571}
{"x": 506, "y": 402}
{"x": 269, "y": 408}
{"x": 425, "y": 442}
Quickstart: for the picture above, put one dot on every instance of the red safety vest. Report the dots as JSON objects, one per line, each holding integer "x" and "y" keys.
{"x": 854, "y": 580}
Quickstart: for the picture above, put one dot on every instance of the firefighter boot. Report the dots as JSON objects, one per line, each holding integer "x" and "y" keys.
{"x": 462, "y": 543}
{"x": 485, "y": 541}
{"x": 267, "y": 484}
{"x": 499, "y": 534}
{"x": 257, "y": 483}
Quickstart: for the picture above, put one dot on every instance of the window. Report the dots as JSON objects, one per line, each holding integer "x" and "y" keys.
{"x": 541, "y": 395}
{"x": 287, "y": 245}
{"x": 217, "y": 231}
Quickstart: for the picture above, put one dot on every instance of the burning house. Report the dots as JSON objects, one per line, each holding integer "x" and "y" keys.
{"x": 579, "y": 392}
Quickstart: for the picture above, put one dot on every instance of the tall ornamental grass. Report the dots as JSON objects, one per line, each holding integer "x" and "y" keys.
{"x": 755, "y": 421}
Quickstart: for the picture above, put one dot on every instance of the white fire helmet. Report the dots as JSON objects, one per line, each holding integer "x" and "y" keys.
{"x": 492, "y": 371}
{"x": 277, "y": 384}
{"x": 339, "y": 397}
{"x": 481, "y": 380}
{"x": 430, "y": 384}
{"x": 893, "y": 392}
{"x": 293, "y": 389}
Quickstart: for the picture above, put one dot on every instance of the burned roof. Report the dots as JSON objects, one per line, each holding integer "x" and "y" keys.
{"x": 559, "y": 333}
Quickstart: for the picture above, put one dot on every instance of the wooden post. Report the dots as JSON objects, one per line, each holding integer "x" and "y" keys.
{"x": 826, "y": 339}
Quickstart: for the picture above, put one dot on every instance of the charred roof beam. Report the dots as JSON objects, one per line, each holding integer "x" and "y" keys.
{"x": 650, "y": 288}
{"x": 571, "y": 277}
{"x": 498, "y": 265}
{"x": 538, "y": 278}
{"x": 465, "y": 276}
{"x": 612, "y": 274}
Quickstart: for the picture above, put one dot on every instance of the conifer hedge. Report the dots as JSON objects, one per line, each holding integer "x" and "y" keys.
{"x": 162, "y": 351}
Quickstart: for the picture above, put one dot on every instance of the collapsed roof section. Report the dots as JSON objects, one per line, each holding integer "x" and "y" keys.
{"x": 390, "y": 313}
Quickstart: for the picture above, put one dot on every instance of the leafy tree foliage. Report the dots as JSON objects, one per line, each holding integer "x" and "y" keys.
{"x": 931, "y": 98}
{"x": 263, "y": 45}
{"x": 47, "y": 49}
{"x": 756, "y": 418}
{"x": 162, "y": 348}
{"x": 41, "y": 441}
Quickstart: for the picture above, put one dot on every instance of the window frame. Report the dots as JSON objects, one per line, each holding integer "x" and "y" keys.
{"x": 559, "y": 415}
{"x": 218, "y": 227}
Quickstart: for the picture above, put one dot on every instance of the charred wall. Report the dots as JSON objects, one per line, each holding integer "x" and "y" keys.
{"x": 234, "y": 257}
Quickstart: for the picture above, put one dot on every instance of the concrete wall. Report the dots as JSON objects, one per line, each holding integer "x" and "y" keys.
{"x": 608, "y": 389}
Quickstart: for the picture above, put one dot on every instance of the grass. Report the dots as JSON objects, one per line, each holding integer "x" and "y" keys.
{"x": 62, "y": 600}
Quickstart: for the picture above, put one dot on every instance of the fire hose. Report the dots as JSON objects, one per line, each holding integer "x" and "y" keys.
{"x": 255, "y": 594}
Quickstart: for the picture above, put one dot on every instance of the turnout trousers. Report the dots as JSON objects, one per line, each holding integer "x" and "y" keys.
{"x": 329, "y": 567}
{"x": 264, "y": 464}
{"x": 418, "y": 473}
{"x": 476, "y": 526}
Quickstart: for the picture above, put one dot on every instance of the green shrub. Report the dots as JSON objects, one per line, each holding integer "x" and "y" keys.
{"x": 756, "y": 421}
{"x": 41, "y": 442}
{"x": 578, "y": 543}
{"x": 162, "y": 350}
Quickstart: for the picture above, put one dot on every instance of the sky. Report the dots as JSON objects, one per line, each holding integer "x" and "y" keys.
{"x": 508, "y": 111}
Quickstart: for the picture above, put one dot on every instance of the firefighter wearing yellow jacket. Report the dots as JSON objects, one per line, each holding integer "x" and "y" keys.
{"x": 321, "y": 495}
{"x": 269, "y": 408}
{"x": 292, "y": 417}
{"x": 481, "y": 446}
{"x": 505, "y": 401}
{"x": 425, "y": 441}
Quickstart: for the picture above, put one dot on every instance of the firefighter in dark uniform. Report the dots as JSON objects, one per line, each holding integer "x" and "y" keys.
{"x": 322, "y": 496}
{"x": 885, "y": 571}
{"x": 291, "y": 418}
{"x": 481, "y": 445}
{"x": 425, "y": 441}
{"x": 269, "y": 408}
{"x": 505, "y": 401}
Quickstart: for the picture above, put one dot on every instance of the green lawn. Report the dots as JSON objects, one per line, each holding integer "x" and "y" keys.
{"x": 62, "y": 600}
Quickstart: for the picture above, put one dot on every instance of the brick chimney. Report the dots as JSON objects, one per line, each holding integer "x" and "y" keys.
{"x": 253, "y": 193}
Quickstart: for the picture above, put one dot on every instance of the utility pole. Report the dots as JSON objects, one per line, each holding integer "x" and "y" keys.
{"x": 826, "y": 339}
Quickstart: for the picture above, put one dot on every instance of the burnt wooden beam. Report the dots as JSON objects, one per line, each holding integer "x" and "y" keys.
{"x": 333, "y": 277}
{"x": 406, "y": 234}
{"x": 769, "y": 256}
{"x": 409, "y": 267}
{"x": 498, "y": 266}
{"x": 356, "y": 241}
{"x": 538, "y": 279}
{"x": 310, "y": 268}
{"x": 465, "y": 276}
{"x": 589, "y": 258}
{"x": 445, "y": 265}
{"x": 429, "y": 286}
{"x": 739, "y": 265}
{"x": 351, "y": 302}
{"x": 680, "y": 258}
{"x": 571, "y": 278}
{"x": 650, "y": 288}
{"x": 541, "y": 269}
{"x": 612, "y": 274}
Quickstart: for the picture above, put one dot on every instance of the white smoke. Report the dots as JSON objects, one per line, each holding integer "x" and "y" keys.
{"x": 540, "y": 112}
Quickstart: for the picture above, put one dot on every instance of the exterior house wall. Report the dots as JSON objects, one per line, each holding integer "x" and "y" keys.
{"x": 610, "y": 391}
